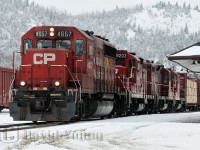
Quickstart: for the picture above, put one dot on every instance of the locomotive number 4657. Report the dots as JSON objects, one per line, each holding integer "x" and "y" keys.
{"x": 39, "y": 58}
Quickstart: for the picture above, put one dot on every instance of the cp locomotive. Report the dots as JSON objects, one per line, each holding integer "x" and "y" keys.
{"x": 67, "y": 73}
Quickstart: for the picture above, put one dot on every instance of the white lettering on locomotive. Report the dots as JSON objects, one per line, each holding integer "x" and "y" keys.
{"x": 39, "y": 58}
{"x": 121, "y": 56}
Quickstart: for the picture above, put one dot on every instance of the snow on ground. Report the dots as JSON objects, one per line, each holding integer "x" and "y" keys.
{"x": 6, "y": 119}
{"x": 179, "y": 131}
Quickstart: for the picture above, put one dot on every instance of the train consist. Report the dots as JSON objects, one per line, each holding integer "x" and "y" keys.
{"x": 6, "y": 79}
{"x": 67, "y": 73}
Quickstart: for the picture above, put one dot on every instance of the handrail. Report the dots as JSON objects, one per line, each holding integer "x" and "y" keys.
{"x": 10, "y": 88}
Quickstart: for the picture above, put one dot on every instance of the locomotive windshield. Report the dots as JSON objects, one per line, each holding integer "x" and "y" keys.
{"x": 64, "y": 44}
{"x": 120, "y": 62}
{"x": 44, "y": 44}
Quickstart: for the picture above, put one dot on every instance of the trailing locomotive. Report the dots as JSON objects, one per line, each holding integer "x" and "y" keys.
{"x": 67, "y": 73}
{"x": 150, "y": 87}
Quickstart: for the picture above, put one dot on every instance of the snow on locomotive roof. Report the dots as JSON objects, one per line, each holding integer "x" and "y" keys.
{"x": 85, "y": 34}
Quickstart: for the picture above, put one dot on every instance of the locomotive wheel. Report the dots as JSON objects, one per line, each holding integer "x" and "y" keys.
{"x": 128, "y": 113}
{"x": 78, "y": 118}
{"x": 1, "y": 108}
{"x": 102, "y": 117}
{"x": 110, "y": 116}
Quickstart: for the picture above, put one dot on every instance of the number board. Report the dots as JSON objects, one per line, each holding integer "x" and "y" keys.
{"x": 64, "y": 33}
{"x": 121, "y": 56}
{"x": 41, "y": 33}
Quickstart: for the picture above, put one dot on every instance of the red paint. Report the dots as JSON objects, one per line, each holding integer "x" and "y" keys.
{"x": 6, "y": 78}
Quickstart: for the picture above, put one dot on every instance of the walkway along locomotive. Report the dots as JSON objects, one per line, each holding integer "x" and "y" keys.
{"x": 67, "y": 73}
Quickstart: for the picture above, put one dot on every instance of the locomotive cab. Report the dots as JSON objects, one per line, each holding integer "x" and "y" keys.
{"x": 131, "y": 80}
{"x": 170, "y": 90}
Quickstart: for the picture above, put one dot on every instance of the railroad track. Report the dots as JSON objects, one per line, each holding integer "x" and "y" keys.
{"x": 31, "y": 125}
{"x": 25, "y": 126}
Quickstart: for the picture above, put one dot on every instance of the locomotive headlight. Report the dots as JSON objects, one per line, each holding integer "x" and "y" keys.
{"x": 57, "y": 83}
{"x": 22, "y": 83}
{"x": 51, "y": 33}
{"x": 51, "y": 29}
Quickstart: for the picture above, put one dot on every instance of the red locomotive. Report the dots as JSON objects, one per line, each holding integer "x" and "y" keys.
{"x": 149, "y": 87}
{"x": 6, "y": 78}
{"x": 64, "y": 73}
{"x": 67, "y": 73}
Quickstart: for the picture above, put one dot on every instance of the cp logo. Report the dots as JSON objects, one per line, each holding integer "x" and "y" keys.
{"x": 39, "y": 58}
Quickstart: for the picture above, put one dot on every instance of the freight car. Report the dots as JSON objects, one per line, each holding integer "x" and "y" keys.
{"x": 188, "y": 92}
{"x": 198, "y": 94}
{"x": 6, "y": 78}
{"x": 67, "y": 73}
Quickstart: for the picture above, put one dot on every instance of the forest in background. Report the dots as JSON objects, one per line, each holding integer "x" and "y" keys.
{"x": 122, "y": 26}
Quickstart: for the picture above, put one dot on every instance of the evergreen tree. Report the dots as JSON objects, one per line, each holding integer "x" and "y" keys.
{"x": 196, "y": 8}
{"x": 27, "y": 2}
{"x": 141, "y": 7}
{"x": 184, "y": 5}
{"x": 176, "y": 4}
{"x": 189, "y": 7}
{"x": 186, "y": 29}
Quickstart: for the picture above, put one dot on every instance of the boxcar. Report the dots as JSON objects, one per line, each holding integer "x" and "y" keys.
{"x": 198, "y": 94}
{"x": 6, "y": 77}
{"x": 189, "y": 91}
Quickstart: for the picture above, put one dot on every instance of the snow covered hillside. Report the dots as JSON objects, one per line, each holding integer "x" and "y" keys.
{"x": 167, "y": 20}
{"x": 179, "y": 131}
{"x": 151, "y": 32}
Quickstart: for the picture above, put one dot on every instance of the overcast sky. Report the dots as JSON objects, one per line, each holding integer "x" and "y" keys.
{"x": 79, "y": 6}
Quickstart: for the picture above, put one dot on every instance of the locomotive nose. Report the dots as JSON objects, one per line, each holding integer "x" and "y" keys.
{"x": 48, "y": 69}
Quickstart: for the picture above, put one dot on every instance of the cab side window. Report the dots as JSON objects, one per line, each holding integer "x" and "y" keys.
{"x": 79, "y": 47}
{"x": 131, "y": 64}
{"x": 166, "y": 77}
{"x": 90, "y": 51}
{"x": 120, "y": 61}
{"x": 27, "y": 44}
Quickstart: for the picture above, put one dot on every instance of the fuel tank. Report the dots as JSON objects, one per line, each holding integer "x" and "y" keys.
{"x": 101, "y": 108}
